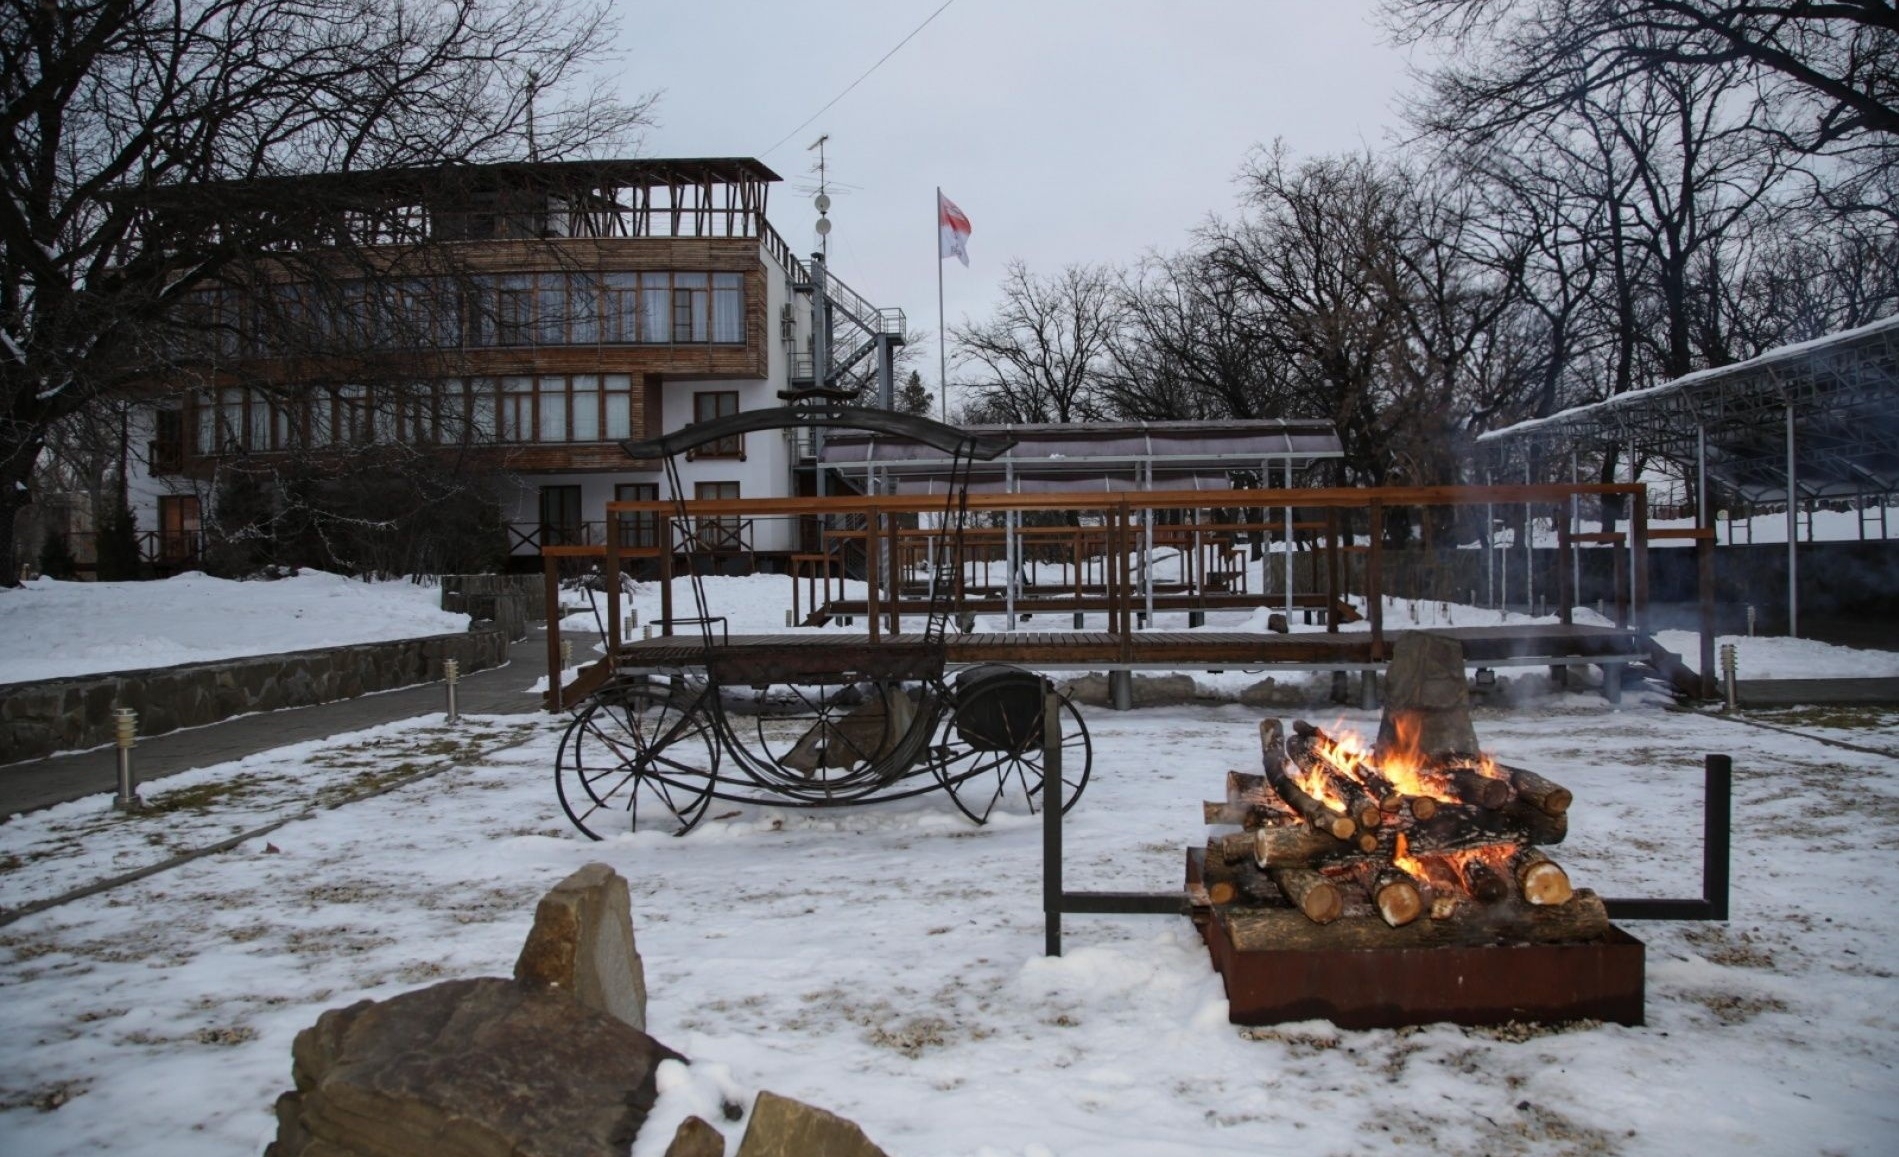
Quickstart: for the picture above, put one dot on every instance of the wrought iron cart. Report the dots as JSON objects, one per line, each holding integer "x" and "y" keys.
{"x": 808, "y": 719}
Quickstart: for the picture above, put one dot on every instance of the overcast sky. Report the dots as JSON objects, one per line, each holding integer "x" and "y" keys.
{"x": 1067, "y": 130}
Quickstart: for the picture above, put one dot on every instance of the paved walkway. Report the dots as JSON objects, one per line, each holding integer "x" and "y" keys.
{"x": 40, "y": 783}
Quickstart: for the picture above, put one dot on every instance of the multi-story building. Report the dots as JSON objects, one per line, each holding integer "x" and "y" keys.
{"x": 527, "y": 317}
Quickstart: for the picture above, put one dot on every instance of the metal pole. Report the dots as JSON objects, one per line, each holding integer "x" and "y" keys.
{"x": 1529, "y": 545}
{"x": 820, "y": 360}
{"x": 1575, "y": 522}
{"x": 942, "y": 358}
{"x": 1793, "y": 519}
{"x": 452, "y": 673}
{"x": 125, "y": 734}
{"x": 1288, "y": 542}
{"x": 1051, "y": 821}
{"x": 1008, "y": 543}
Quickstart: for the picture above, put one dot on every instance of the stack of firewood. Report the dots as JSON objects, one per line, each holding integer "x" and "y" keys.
{"x": 1457, "y": 842}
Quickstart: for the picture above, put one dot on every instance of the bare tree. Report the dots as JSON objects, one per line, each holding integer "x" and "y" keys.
{"x": 1839, "y": 60}
{"x": 112, "y": 108}
{"x": 1043, "y": 356}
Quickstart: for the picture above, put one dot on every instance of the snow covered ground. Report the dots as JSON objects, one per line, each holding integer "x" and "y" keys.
{"x": 886, "y": 961}
{"x": 57, "y": 629}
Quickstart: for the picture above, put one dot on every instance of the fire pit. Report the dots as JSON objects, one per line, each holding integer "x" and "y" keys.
{"x": 1403, "y": 881}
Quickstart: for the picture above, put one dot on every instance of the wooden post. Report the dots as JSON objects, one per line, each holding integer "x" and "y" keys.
{"x": 1332, "y": 570}
{"x": 1374, "y": 578}
{"x": 1565, "y": 577}
{"x": 1620, "y": 571}
{"x": 895, "y": 567}
{"x": 551, "y": 568}
{"x": 613, "y": 588}
{"x": 665, "y": 529}
{"x": 872, "y": 541}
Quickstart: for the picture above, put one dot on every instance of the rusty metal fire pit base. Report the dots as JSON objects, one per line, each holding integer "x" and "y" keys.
{"x": 1389, "y": 987}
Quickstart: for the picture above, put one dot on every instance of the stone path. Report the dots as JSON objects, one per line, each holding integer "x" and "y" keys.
{"x": 39, "y": 783}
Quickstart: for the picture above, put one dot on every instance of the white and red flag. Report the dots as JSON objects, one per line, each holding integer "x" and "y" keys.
{"x": 952, "y": 230}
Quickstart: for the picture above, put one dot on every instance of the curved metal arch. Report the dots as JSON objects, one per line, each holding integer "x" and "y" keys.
{"x": 930, "y": 432}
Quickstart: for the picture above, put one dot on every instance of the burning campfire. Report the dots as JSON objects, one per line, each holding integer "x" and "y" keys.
{"x": 1418, "y": 825}
{"x": 1334, "y": 829}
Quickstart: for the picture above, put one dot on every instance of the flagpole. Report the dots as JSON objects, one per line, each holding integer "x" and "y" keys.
{"x": 942, "y": 360}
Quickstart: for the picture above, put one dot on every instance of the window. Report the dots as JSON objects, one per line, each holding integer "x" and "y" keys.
{"x": 583, "y": 310}
{"x": 560, "y": 517}
{"x": 639, "y": 529}
{"x": 517, "y": 410}
{"x": 551, "y": 313}
{"x": 483, "y": 417}
{"x": 619, "y": 408}
{"x": 166, "y": 454}
{"x": 620, "y": 307}
{"x": 179, "y": 528}
{"x": 553, "y": 408}
{"x": 655, "y": 308}
{"x": 355, "y": 420}
{"x": 586, "y": 424}
{"x": 692, "y": 308}
{"x": 710, "y": 404}
{"x": 717, "y": 532}
{"x": 514, "y": 310}
{"x": 728, "y": 307}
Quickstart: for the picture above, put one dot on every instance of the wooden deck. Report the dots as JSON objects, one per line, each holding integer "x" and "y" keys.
{"x": 1504, "y": 646}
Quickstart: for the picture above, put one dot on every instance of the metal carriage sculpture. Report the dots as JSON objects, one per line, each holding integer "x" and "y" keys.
{"x": 810, "y": 720}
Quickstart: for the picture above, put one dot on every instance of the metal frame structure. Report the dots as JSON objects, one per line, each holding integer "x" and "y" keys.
{"x": 1812, "y": 421}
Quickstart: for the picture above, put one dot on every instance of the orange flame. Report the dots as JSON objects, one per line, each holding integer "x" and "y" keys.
{"x": 1404, "y": 861}
{"x": 1402, "y": 765}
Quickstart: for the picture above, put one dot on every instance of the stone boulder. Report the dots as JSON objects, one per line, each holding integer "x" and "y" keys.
{"x": 1427, "y": 697}
{"x": 696, "y": 1137}
{"x": 468, "y": 1068}
{"x": 582, "y": 943}
{"x": 782, "y": 1127}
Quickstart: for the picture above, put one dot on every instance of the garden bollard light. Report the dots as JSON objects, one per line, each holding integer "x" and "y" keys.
{"x": 566, "y": 653}
{"x": 125, "y": 734}
{"x": 452, "y": 673}
{"x": 1727, "y": 673}
{"x": 1750, "y": 620}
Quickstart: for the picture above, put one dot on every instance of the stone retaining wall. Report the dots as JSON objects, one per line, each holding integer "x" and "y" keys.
{"x": 38, "y": 719}
{"x": 468, "y": 593}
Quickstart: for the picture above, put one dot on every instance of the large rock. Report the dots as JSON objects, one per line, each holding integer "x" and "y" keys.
{"x": 696, "y": 1138}
{"x": 582, "y": 943}
{"x": 782, "y": 1127}
{"x": 1427, "y": 698}
{"x": 468, "y": 1068}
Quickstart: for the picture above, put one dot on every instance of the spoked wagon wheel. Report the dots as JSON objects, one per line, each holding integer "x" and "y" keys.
{"x": 989, "y": 755}
{"x": 639, "y": 753}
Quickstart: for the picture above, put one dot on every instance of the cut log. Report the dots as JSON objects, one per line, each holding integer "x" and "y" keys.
{"x": 1393, "y": 893}
{"x": 1314, "y": 895}
{"x": 1582, "y": 919}
{"x": 1240, "y": 881}
{"x": 1295, "y": 847}
{"x": 1245, "y": 815}
{"x": 1548, "y": 797}
{"x": 1244, "y": 788}
{"x": 1443, "y": 907}
{"x": 1359, "y": 803}
{"x": 1524, "y": 823}
{"x": 1541, "y": 879}
{"x": 1476, "y": 788}
{"x": 1232, "y": 847}
{"x": 1483, "y": 883}
{"x": 1423, "y": 807}
{"x": 1311, "y": 810}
